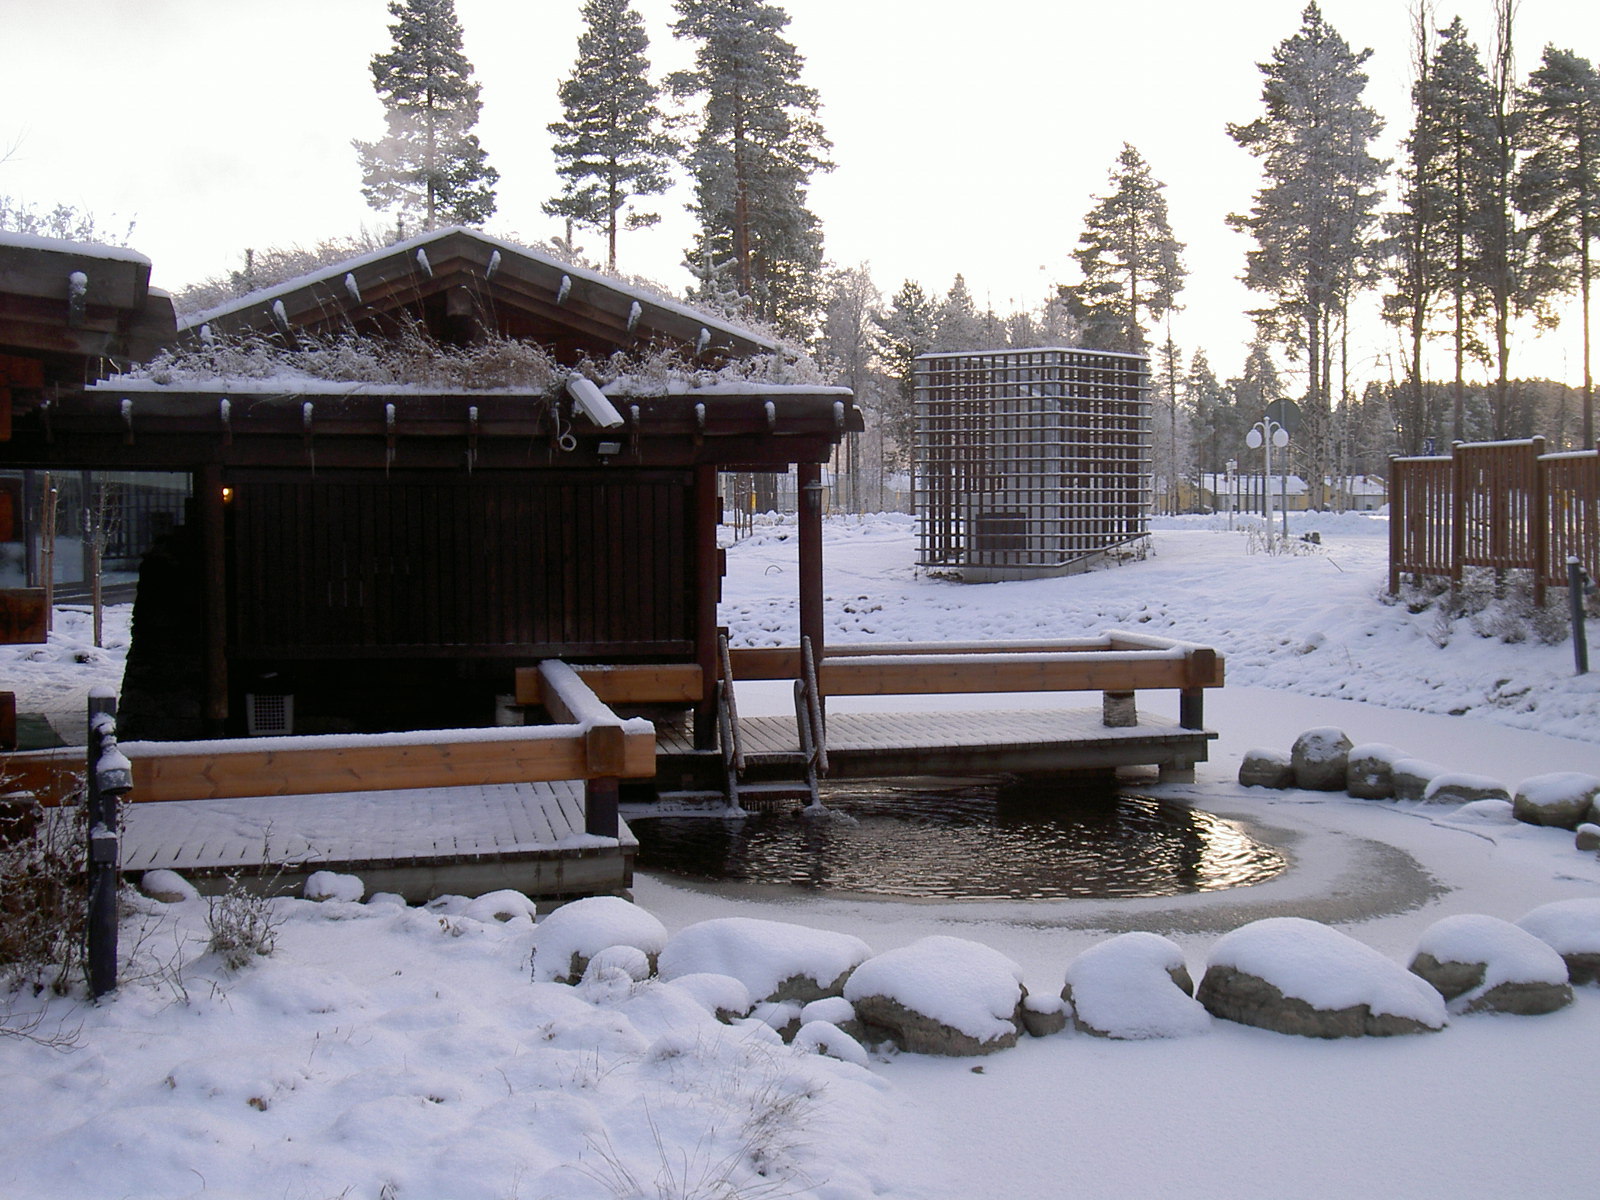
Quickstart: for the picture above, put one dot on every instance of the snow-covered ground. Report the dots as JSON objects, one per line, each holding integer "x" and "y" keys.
{"x": 390, "y": 1052}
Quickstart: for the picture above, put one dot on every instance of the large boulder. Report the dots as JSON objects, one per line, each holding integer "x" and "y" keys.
{"x": 776, "y": 961}
{"x": 1411, "y": 777}
{"x": 566, "y": 939}
{"x": 1456, "y": 787}
{"x": 1321, "y": 759}
{"x": 1134, "y": 986}
{"x": 1369, "y": 771}
{"x": 1484, "y": 964}
{"x": 940, "y": 995}
{"x": 1266, "y": 768}
{"x": 1565, "y": 799}
{"x": 1296, "y": 976}
{"x": 1572, "y": 929}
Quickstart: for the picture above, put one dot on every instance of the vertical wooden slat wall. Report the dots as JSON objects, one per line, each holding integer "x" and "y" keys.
{"x": 1498, "y": 505}
{"x": 372, "y": 567}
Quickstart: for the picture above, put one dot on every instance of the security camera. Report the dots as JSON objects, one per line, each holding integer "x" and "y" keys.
{"x": 592, "y": 403}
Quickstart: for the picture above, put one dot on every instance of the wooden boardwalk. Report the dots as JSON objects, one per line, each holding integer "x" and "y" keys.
{"x": 420, "y": 842}
{"x": 881, "y": 745}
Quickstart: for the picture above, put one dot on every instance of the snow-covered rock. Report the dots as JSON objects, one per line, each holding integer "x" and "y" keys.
{"x": 1411, "y": 777}
{"x": 167, "y": 886}
{"x": 782, "y": 1015}
{"x": 835, "y": 1010}
{"x": 1563, "y": 798}
{"x": 940, "y": 995}
{"x": 1586, "y": 837}
{"x": 1369, "y": 771}
{"x": 1321, "y": 757}
{"x": 504, "y": 905}
{"x": 629, "y": 960}
{"x": 1484, "y": 964}
{"x": 823, "y": 1037}
{"x": 1572, "y": 929}
{"x": 1458, "y": 787}
{"x": 331, "y": 885}
{"x": 775, "y": 960}
{"x": 1134, "y": 986}
{"x": 566, "y": 939}
{"x": 1266, "y": 768}
{"x": 1043, "y": 1014}
{"x": 723, "y": 996}
{"x": 1292, "y": 975}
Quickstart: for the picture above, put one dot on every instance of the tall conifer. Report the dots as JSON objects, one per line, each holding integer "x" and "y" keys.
{"x": 1559, "y": 187}
{"x": 1314, "y": 218}
{"x": 1132, "y": 265}
{"x": 429, "y": 165}
{"x": 756, "y": 145}
{"x": 609, "y": 147}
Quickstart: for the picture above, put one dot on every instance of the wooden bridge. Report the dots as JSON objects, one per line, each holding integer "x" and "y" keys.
{"x": 535, "y": 808}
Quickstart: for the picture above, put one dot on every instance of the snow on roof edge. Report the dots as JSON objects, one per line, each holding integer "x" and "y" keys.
{"x": 33, "y": 241}
{"x": 324, "y": 274}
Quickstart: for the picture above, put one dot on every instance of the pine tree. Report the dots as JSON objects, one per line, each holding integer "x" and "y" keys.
{"x": 757, "y": 145}
{"x": 1559, "y": 187}
{"x": 1132, "y": 265}
{"x": 1502, "y": 265}
{"x": 908, "y": 329}
{"x": 957, "y": 322}
{"x": 1314, "y": 219}
{"x": 1438, "y": 232}
{"x": 429, "y": 164}
{"x": 609, "y": 148}
{"x": 1209, "y": 416}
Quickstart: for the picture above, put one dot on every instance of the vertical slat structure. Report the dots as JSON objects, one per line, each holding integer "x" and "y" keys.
{"x": 375, "y": 565}
{"x": 1029, "y": 461}
{"x": 1497, "y": 505}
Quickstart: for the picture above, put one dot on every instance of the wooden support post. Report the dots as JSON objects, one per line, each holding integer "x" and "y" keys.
{"x": 808, "y": 477}
{"x": 8, "y": 720}
{"x": 1539, "y": 522}
{"x": 600, "y": 807}
{"x": 1192, "y": 708}
{"x": 708, "y": 590}
{"x": 214, "y": 571}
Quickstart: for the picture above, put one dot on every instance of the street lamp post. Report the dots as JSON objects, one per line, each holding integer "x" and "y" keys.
{"x": 1264, "y": 435}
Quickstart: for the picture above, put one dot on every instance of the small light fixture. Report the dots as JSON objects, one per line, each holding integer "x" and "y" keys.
{"x": 227, "y": 495}
{"x": 609, "y": 448}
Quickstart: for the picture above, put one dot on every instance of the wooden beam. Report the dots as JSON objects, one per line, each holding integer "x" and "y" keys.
{"x": 624, "y": 683}
{"x": 1110, "y": 671}
{"x": 385, "y": 765}
{"x": 214, "y": 568}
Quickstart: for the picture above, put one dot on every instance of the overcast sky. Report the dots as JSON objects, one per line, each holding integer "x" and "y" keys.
{"x": 969, "y": 137}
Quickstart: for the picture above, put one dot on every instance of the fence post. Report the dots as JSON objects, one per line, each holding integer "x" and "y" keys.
{"x": 1397, "y": 517}
{"x": 1576, "y": 578}
{"x": 1540, "y": 520}
{"x": 107, "y": 779}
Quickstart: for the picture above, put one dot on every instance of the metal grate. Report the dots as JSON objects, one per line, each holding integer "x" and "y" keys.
{"x": 268, "y": 714}
{"x": 1030, "y": 462}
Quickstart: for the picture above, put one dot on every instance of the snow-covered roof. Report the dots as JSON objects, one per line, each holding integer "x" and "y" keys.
{"x": 30, "y": 241}
{"x": 338, "y": 277}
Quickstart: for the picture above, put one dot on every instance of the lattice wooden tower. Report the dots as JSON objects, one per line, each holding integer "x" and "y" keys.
{"x": 1030, "y": 463}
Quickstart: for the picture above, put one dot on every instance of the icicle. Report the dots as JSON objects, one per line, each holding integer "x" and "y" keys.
{"x": 225, "y": 411}
{"x": 494, "y": 265}
{"x": 127, "y": 421}
{"x": 205, "y": 335}
{"x": 351, "y": 287}
{"x": 772, "y": 415}
{"x": 634, "y": 313}
{"x": 280, "y": 316}
{"x": 838, "y": 416}
{"x": 564, "y": 290}
{"x": 422, "y": 262}
{"x": 306, "y": 410}
{"x": 705, "y": 340}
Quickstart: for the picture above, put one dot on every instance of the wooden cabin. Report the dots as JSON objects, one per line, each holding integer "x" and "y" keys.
{"x": 365, "y": 556}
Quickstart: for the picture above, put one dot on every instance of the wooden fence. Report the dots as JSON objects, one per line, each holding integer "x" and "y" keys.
{"x": 1502, "y": 505}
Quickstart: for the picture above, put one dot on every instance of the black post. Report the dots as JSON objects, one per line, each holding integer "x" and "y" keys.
{"x": 1576, "y": 578}
{"x": 107, "y": 779}
{"x": 600, "y": 817}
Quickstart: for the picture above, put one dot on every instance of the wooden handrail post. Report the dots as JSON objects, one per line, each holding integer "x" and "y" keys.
{"x": 600, "y": 817}
{"x": 106, "y": 780}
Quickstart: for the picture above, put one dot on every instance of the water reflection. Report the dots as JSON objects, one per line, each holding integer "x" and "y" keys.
{"x": 977, "y": 840}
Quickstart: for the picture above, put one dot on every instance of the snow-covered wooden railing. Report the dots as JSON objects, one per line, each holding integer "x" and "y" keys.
{"x": 1117, "y": 664}
{"x": 591, "y": 743}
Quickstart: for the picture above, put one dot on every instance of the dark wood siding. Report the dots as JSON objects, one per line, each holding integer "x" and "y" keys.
{"x": 582, "y": 564}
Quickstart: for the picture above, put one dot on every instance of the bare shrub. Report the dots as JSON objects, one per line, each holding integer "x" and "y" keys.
{"x": 242, "y": 924}
{"x": 42, "y": 902}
